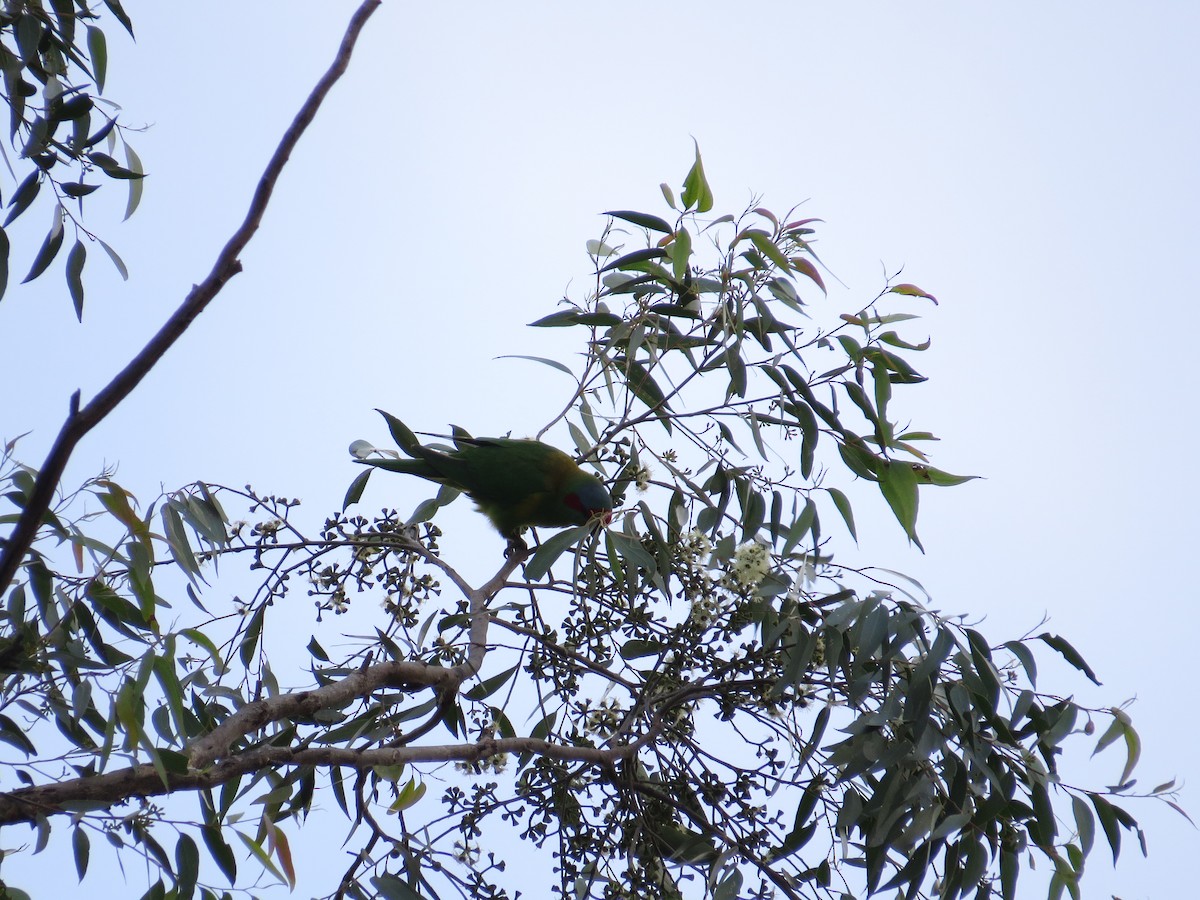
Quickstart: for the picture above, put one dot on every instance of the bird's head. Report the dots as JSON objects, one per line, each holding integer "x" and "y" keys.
{"x": 591, "y": 500}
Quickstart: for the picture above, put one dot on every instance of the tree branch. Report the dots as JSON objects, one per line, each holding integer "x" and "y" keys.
{"x": 305, "y": 704}
{"x": 28, "y": 804}
{"x": 80, "y": 421}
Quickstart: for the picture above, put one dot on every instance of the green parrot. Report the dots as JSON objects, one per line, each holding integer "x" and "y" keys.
{"x": 515, "y": 483}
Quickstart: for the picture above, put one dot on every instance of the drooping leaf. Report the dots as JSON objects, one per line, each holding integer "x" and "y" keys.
{"x": 843, "y": 506}
{"x": 135, "y": 184}
{"x": 98, "y": 52}
{"x": 898, "y": 484}
{"x": 1069, "y": 653}
{"x": 75, "y": 261}
{"x": 911, "y": 290}
{"x": 24, "y": 196}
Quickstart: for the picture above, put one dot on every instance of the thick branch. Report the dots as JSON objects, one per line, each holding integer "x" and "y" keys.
{"x": 80, "y": 421}
{"x": 27, "y": 804}
{"x": 305, "y": 704}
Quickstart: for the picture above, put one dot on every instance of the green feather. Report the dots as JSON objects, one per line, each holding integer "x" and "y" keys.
{"x": 516, "y": 483}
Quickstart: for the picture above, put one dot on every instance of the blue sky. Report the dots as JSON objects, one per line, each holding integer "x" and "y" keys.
{"x": 1032, "y": 165}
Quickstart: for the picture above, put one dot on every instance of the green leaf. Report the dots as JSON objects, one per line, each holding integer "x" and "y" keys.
{"x": 50, "y": 248}
{"x": 938, "y": 478}
{"x": 697, "y": 194}
{"x": 75, "y": 261}
{"x": 762, "y": 241}
{"x": 78, "y": 188}
{"x": 645, "y": 220}
{"x": 1069, "y": 653}
{"x": 82, "y": 849}
{"x": 489, "y": 686}
{"x": 401, "y": 434}
{"x": 843, "y": 507}
{"x": 220, "y": 851}
{"x": 552, "y": 363}
{"x": 410, "y": 795}
{"x": 250, "y": 642}
{"x": 637, "y": 256}
{"x": 911, "y": 290}
{"x": 1025, "y": 655}
{"x": 4, "y": 248}
{"x": 112, "y": 168}
{"x": 187, "y": 863}
{"x": 114, "y": 6}
{"x": 552, "y": 549}
{"x": 116, "y": 260}
{"x": 643, "y": 386}
{"x": 355, "y": 491}
{"x": 898, "y": 484}
{"x": 632, "y": 551}
{"x": 135, "y": 184}
{"x": 1085, "y": 823}
{"x": 24, "y": 196}
{"x": 1108, "y": 821}
{"x": 681, "y": 254}
{"x": 261, "y": 855}
{"x": 392, "y": 887}
{"x": 98, "y": 52}
{"x": 575, "y": 317}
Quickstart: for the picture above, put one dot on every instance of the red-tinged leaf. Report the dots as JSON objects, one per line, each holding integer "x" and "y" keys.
{"x": 645, "y": 220}
{"x": 911, "y": 290}
{"x": 767, "y": 214}
{"x": 75, "y": 261}
{"x": 806, "y": 267}
{"x": 283, "y": 852}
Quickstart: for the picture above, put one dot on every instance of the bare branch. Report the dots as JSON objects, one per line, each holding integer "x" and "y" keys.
{"x": 81, "y": 421}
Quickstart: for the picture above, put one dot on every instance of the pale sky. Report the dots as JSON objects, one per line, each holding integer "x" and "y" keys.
{"x": 1033, "y": 165}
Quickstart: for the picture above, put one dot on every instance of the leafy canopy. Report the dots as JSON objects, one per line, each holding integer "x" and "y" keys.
{"x": 698, "y": 701}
